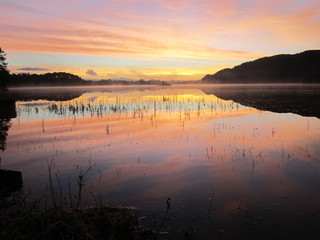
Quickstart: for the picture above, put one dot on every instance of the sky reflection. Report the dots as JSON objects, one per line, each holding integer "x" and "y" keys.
{"x": 146, "y": 146}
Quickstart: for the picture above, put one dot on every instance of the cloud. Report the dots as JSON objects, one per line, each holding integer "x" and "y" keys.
{"x": 108, "y": 43}
{"x": 118, "y": 27}
{"x": 156, "y": 35}
{"x": 217, "y": 33}
{"x": 91, "y": 72}
{"x": 32, "y": 69}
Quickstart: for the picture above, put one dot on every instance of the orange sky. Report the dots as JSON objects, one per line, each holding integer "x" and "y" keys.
{"x": 159, "y": 39}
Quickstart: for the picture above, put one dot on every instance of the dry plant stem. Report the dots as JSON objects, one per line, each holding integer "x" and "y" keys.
{"x": 70, "y": 197}
{"x": 81, "y": 178}
{"x": 60, "y": 188}
{"x": 51, "y": 187}
{"x": 165, "y": 215}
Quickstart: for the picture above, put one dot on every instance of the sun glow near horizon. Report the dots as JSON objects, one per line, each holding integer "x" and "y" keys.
{"x": 160, "y": 39}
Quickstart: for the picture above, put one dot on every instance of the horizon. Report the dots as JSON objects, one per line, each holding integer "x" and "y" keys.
{"x": 161, "y": 39}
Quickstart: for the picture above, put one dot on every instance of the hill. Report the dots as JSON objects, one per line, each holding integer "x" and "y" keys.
{"x": 285, "y": 68}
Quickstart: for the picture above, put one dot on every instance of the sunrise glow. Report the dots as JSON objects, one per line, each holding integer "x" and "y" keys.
{"x": 158, "y": 39}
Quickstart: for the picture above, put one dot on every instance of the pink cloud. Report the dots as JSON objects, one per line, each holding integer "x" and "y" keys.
{"x": 100, "y": 39}
{"x": 192, "y": 29}
{"x": 91, "y": 72}
{"x": 171, "y": 4}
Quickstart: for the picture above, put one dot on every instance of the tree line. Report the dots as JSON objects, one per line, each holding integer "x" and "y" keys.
{"x": 47, "y": 79}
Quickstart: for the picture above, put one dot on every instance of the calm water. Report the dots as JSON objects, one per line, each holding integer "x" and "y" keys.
{"x": 231, "y": 171}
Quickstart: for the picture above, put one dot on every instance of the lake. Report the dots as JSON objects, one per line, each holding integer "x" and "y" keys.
{"x": 235, "y": 161}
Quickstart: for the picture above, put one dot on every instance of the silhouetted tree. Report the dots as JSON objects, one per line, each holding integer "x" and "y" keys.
{"x": 4, "y": 72}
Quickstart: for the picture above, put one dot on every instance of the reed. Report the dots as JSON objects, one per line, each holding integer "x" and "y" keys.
{"x": 22, "y": 218}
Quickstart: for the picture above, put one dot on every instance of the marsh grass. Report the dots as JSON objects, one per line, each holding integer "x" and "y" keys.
{"x": 29, "y": 222}
{"x": 22, "y": 218}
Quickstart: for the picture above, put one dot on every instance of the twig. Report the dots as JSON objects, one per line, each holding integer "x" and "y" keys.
{"x": 165, "y": 215}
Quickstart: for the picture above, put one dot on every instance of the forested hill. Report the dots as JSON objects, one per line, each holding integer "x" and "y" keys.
{"x": 297, "y": 68}
{"x": 47, "y": 79}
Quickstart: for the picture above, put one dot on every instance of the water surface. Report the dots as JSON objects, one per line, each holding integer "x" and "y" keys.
{"x": 230, "y": 170}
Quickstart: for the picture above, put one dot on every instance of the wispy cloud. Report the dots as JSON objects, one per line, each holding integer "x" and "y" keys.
{"x": 91, "y": 72}
{"x": 33, "y": 69}
{"x": 102, "y": 42}
{"x": 156, "y": 36}
{"x": 212, "y": 30}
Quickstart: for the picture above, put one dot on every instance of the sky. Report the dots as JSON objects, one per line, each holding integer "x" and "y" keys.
{"x": 154, "y": 39}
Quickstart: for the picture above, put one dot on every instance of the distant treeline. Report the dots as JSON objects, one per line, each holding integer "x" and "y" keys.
{"x": 298, "y": 68}
{"x": 124, "y": 82}
{"x": 47, "y": 79}
{"x": 68, "y": 79}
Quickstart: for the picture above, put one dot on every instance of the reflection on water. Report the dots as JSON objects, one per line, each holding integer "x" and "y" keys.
{"x": 4, "y": 127}
{"x": 303, "y": 99}
{"x": 135, "y": 104}
{"x": 229, "y": 169}
{"x": 7, "y": 111}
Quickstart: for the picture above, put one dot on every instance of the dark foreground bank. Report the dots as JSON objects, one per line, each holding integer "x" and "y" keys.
{"x": 23, "y": 219}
